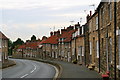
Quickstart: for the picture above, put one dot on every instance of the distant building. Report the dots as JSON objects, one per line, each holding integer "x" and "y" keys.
{"x": 50, "y": 49}
{"x": 29, "y": 49}
{"x": 65, "y": 43}
{"x": 3, "y": 47}
{"x": 78, "y": 44}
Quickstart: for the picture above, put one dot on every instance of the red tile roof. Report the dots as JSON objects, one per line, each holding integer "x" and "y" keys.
{"x": 21, "y": 47}
{"x": 51, "y": 40}
{"x": 2, "y": 36}
{"x": 39, "y": 43}
{"x": 67, "y": 36}
{"x": 32, "y": 45}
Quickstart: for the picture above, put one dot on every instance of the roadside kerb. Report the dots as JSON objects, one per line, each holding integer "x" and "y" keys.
{"x": 10, "y": 63}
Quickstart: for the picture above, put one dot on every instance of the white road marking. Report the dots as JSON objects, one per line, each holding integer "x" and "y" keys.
{"x": 24, "y": 76}
{"x": 33, "y": 69}
{"x": 30, "y": 72}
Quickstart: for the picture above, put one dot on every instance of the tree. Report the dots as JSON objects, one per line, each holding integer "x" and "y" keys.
{"x": 10, "y": 44}
{"x": 18, "y": 42}
{"x": 33, "y": 38}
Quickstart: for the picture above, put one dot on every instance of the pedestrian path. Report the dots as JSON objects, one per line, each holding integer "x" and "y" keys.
{"x": 70, "y": 70}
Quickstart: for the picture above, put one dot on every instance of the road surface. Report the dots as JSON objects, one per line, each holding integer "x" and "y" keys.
{"x": 29, "y": 69}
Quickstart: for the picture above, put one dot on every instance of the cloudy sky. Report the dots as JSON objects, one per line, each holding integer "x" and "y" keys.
{"x": 23, "y": 18}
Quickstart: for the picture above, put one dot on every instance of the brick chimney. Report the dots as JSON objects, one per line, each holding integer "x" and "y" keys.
{"x": 70, "y": 28}
{"x": 63, "y": 31}
{"x": 77, "y": 25}
{"x": 57, "y": 33}
{"x": 90, "y": 13}
{"x": 51, "y": 33}
{"x": 87, "y": 17}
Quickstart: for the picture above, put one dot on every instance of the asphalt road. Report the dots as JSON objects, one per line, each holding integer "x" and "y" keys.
{"x": 29, "y": 69}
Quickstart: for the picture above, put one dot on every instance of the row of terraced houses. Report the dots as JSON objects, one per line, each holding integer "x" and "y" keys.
{"x": 95, "y": 44}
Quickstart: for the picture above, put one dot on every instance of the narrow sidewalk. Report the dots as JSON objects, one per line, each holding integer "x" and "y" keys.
{"x": 7, "y": 63}
{"x": 70, "y": 70}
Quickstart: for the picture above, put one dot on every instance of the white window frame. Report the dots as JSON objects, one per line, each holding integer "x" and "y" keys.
{"x": 79, "y": 51}
{"x": 90, "y": 25}
{"x": 56, "y": 46}
{"x": 52, "y": 46}
{"x": 0, "y": 43}
{"x": 5, "y": 55}
{"x": 96, "y": 22}
{"x": 73, "y": 51}
{"x": 6, "y": 43}
{"x": 97, "y": 48}
{"x": 69, "y": 45}
{"x": 52, "y": 54}
{"x": 90, "y": 48}
{"x": 82, "y": 51}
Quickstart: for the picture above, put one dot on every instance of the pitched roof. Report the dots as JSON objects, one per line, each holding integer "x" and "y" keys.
{"x": 2, "y": 36}
{"x": 21, "y": 47}
{"x": 32, "y": 44}
{"x": 51, "y": 40}
{"x": 67, "y": 36}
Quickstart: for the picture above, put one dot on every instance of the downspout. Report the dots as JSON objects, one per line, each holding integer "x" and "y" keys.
{"x": 75, "y": 50}
{"x": 107, "y": 50}
{"x": 115, "y": 40}
{"x": 99, "y": 36}
{"x": 85, "y": 43}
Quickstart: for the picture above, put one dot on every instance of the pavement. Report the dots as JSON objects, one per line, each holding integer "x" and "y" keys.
{"x": 7, "y": 63}
{"x": 29, "y": 69}
{"x": 70, "y": 70}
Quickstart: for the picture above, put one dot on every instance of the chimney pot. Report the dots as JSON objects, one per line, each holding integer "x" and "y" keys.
{"x": 90, "y": 13}
{"x": 51, "y": 33}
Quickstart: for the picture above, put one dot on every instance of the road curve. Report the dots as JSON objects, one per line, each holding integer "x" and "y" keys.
{"x": 29, "y": 69}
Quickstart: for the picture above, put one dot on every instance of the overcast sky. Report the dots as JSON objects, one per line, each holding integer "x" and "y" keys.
{"x": 23, "y": 18}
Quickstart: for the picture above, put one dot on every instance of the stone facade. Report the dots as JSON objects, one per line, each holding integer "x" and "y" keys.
{"x": 92, "y": 20}
{"x": 106, "y": 28}
{"x": 118, "y": 39}
{"x": 78, "y": 44}
{"x": 3, "y": 47}
{"x": 65, "y": 44}
{"x": 92, "y": 44}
